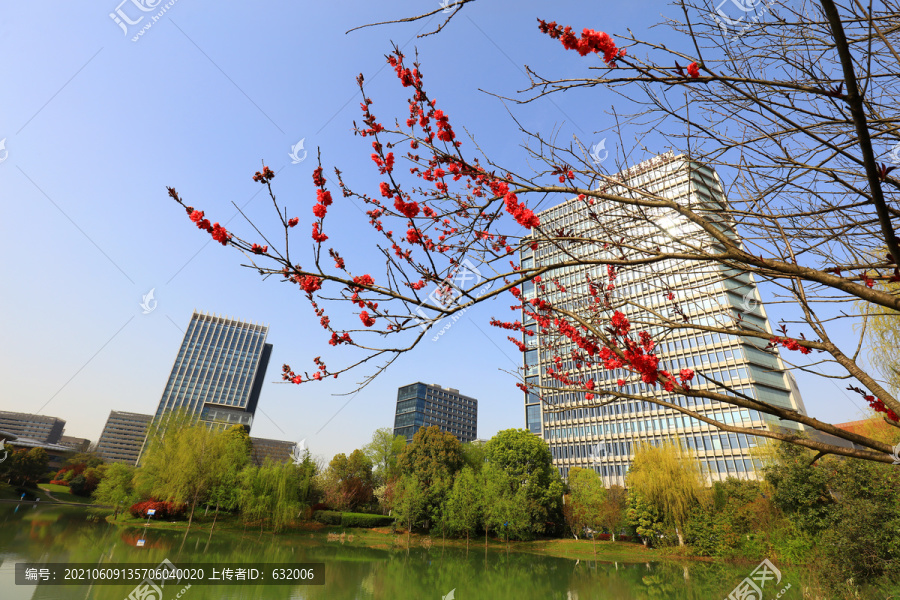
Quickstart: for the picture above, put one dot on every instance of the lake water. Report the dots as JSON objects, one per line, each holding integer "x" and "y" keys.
{"x": 54, "y": 534}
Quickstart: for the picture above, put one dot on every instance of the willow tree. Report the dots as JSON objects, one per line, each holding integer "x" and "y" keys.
{"x": 795, "y": 106}
{"x": 667, "y": 477}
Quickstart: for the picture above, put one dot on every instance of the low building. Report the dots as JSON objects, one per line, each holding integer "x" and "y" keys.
{"x": 56, "y": 453}
{"x": 278, "y": 451}
{"x": 75, "y": 443}
{"x": 122, "y": 437}
{"x": 36, "y": 427}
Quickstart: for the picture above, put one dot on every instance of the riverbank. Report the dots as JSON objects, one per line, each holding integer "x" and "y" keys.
{"x": 384, "y": 538}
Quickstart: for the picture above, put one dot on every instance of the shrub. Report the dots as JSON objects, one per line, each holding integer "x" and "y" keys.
{"x": 362, "y": 520}
{"x": 328, "y": 517}
{"x": 603, "y": 536}
{"x": 164, "y": 510}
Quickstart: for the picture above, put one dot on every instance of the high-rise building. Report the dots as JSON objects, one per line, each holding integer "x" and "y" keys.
{"x": 122, "y": 437}
{"x": 581, "y": 433}
{"x": 422, "y": 405}
{"x": 36, "y": 427}
{"x": 219, "y": 371}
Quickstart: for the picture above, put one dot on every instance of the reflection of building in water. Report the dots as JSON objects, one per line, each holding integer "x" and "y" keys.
{"x": 218, "y": 372}
{"x": 604, "y": 438}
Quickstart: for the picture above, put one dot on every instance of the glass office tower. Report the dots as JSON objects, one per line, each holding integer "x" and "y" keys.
{"x": 422, "y": 405}
{"x": 219, "y": 371}
{"x": 605, "y": 437}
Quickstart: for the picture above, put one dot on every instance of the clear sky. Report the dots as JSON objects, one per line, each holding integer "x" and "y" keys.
{"x": 96, "y": 126}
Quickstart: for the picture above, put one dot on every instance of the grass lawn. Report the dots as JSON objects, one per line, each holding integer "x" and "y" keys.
{"x": 8, "y": 492}
{"x": 61, "y": 493}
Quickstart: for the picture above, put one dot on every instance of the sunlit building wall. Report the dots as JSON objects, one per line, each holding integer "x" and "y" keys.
{"x": 605, "y": 438}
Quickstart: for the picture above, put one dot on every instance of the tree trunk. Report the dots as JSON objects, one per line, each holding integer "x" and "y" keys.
{"x": 680, "y": 537}
{"x": 467, "y": 541}
{"x": 191, "y": 518}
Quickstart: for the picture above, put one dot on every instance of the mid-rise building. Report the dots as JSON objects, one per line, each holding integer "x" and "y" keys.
{"x": 122, "y": 437}
{"x": 36, "y": 427}
{"x": 422, "y": 405}
{"x": 585, "y": 434}
{"x": 75, "y": 443}
{"x": 278, "y": 451}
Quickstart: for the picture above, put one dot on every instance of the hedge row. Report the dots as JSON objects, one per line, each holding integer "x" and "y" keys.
{"x": 333, "y": 517}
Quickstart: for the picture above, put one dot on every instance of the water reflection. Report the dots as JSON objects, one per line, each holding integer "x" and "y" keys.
{"x": 351, "y": 571}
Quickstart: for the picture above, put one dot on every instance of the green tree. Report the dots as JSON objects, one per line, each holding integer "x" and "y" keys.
{"x": 474, "y": 454}
{"x": 464, "y": 504}
{"x": 644, "y": 517}
{"x": 411, "y": 502}
{"x": 349, "y": 481}
{"x": 667, "y": 476}
{"x": 116, "y": 488}
{"x": 25, "y": 467}
{"x": 383, "y": 452}
{"x": 433, "y": 457}
{"x": 586, "y": 497}
{"x": 187, "y": 462}
{"x": 526, "y": 461}
{"x": 612, "y": 510}
{"x": 801, "y": 488}
{"x": 269, "y": 494}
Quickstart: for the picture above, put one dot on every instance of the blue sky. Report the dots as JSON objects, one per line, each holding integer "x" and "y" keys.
{"x": 96, "y": 126}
